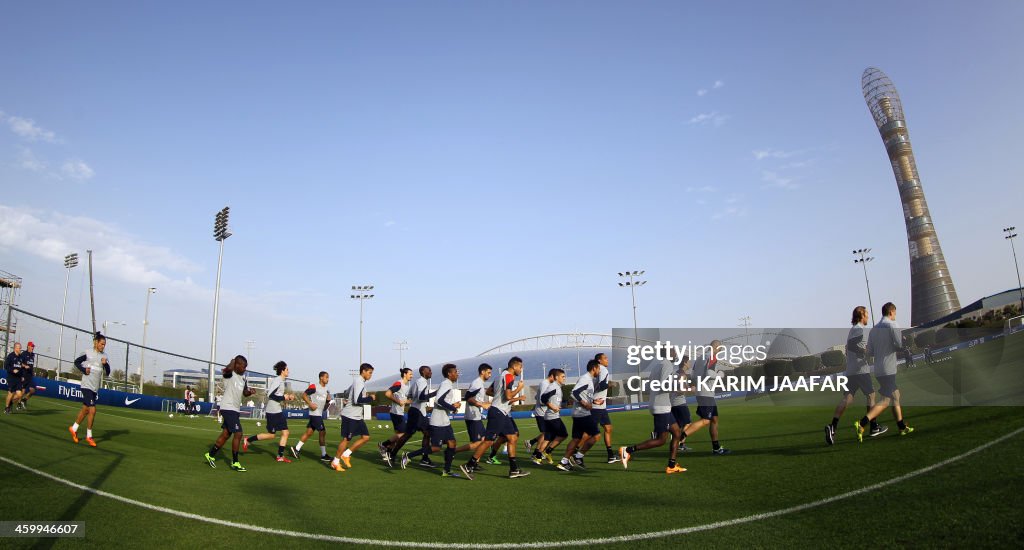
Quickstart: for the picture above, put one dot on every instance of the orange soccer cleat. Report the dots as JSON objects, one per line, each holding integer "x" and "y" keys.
{"x": 74, "y": 436}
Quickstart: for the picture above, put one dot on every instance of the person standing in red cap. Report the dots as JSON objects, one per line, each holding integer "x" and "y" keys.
{"x": 28, "y": 384}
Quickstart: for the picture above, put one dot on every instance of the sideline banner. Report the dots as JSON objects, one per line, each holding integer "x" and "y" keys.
{"x": 113, "y": 398}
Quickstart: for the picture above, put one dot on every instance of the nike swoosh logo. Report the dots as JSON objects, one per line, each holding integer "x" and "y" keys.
{"x": 128, "y": 402}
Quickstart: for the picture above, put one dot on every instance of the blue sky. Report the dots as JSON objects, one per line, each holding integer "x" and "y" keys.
{"x": 490, "y": 167}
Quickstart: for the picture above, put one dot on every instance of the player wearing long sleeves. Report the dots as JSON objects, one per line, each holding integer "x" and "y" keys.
{"x": 352, "y": 423}
{"x": 554, "y": 428}
{"x": 600, "y": 408}
{"x": 858, "y": 374}
{"x": 421, "y": 393}
{"x": 584, "y": 425}
{"x": 28, "y": 383}
{"x": 534, "y": 445}
{"x": 398, "y": 394}
{"x": 445, "y": 405}
{"x": 317, "y": 397}
{"x": 12, "y": 364}
{"x": 885, "y": 342}
{"x": 276, "y": 419}
{"x": 235, "y": 388}
{"x": 93, "y": 365}
{"x": 477, "y": 401}
{"x": 665, "y": 422}
{"x": 707, "y": 368}
{"x": 506, "y": 392}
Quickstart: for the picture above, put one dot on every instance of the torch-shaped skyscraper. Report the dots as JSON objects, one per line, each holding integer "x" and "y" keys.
{"x": 931, "y": 287}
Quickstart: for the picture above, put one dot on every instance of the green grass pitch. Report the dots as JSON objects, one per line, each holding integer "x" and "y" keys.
{"x": 779, "y": 460}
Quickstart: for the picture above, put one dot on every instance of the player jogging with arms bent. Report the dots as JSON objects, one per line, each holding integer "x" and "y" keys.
{"x": 235, "y": 389}
{"x": 93, "y": 364}
{"x": 317, "y": 398}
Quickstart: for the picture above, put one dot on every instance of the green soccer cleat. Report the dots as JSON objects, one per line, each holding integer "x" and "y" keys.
{"x": 859, "y": 430}
{"x": 210, "y": 460}
{"x": 493, "y": 460}
{"x": 907, "y": 431}
{"x": 237, "y": 466}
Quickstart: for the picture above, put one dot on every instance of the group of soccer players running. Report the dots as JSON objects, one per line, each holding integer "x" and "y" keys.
{"x": 20, "y": 367}
{"x": 495, "y": 393}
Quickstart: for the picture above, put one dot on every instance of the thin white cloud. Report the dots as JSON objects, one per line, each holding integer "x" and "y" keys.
{"x": 701, "y": 92}
{"x": 27, "y": 129}
{"x": 77, "y": 170}
{"x": 27, "y": 160}
{"x": 774, "y": 180}
{"x": 127, "y": 259}
{"x": 702, "y": 189}
{"x": 389, "y": 223}
{"x": 703, "y": 119}
{"x": 51, "y": 235}
{"x": 769, "y": 153}
{"x": 730, "y": 212}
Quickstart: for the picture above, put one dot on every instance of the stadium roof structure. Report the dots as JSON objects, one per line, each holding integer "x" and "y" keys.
{"x": 565, "y": 340}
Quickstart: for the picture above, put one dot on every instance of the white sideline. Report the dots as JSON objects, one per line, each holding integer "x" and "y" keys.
{"x": 540, "y": 544}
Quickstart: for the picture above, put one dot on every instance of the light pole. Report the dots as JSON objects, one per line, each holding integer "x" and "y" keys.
{"x": 361, "y": 293}
{"x": 1010, "y": 235}
{"x": 401, "y": 347}
{"x": 632, "y": 283}
{"x": 70, "y": 262}
{"x": 220, "y": 234}
{"x": 249, "y": 346}
{"x": 142, "y": 355}
{"x": 863, "y": 261}
{"x": 745, "y": 323}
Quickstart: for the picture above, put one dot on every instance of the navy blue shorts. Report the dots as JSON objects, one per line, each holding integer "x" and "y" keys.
{"x": 859, "y": 382}
{"x": 887, "y": 385}
{"x": 498, "y": 424}
{"x": 663, "y": 423}
{"x": 476, "y": 430}
{"x": 555, "y": 429}
{"x": 682, "y": 415}
{"x": 350, "y": 427}
{"x": 707, "y": 412}
{"x": 230, "y": 421}
{"x": 316, "y": 423}
{"x": 416, "y": 422}
{"x": 540, "y": 423}
{"x": 441, "y": 435}
{"x": 276, "y": 422}
{"x": 28, "y": 384}
{"x": 398, "y": 421}
{"x": 601, "y": 416}
{"x": 89, "y": 398}
{"x": 14, "y": 385}
{"x": 584, "y": 425}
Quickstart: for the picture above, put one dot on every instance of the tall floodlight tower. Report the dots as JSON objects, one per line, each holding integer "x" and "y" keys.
{"x": 931, "y": 288}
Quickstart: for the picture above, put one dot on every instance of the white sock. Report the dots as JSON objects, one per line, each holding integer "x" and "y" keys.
{"x": 323, "y": 450}
{"x": 88, "y": 433}
{"x": 347, "y": 453}
{"x": 564, "y": 460}
{"x": 298, "y": 446}
{"x": 336, "y": 461}
{"x": 74, "y": 427}
{"x": 578, "y": 455}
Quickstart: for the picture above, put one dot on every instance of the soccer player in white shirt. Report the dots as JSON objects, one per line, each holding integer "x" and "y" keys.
{"x": 317, "y": 398}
